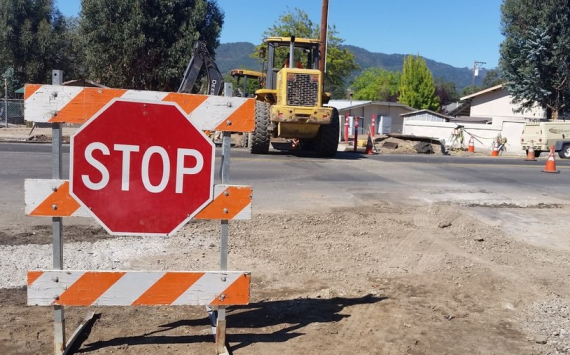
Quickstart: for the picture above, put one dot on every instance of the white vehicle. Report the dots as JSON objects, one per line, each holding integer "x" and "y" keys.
{"x": 545, "y": 134}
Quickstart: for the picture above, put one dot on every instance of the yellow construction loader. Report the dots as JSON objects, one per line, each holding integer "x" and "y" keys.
{"x": 291, "y": 105}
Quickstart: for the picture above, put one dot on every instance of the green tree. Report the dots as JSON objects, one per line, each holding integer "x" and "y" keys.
{"x": 376, "y": 84}
{"x": 145, "y": 44}
{"x": 417, "y": 88}
{"x": 446, "y": 91}
{"x": 340, "y": 62}
{"x": 33, "y": 36}
{"x": 493, "y": 78}
{"x": 535, "y": 54}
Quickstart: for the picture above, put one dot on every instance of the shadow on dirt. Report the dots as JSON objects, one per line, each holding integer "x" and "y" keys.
{"x": 289, "y": 317}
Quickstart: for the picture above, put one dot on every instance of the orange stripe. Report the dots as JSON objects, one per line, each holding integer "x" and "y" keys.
{"x": 33, "y": 276}
{"x": 30, "y": 89}
{"x": 61, "y": 198}
{"x": 236, "y": 294}
{"x": 168, "y": 288}
{"x": 87, "y": 103}
{"x": 187, "y": 102}
{"x": 88, "y": 288}
{"x": 242, "y": 119}
{"x": 239, "y": 197}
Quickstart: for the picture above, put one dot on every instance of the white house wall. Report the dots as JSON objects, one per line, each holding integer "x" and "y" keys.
{"x": 498, "y": 104}
{"x": 484, "y": 134}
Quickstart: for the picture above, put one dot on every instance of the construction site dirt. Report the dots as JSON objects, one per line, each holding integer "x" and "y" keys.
{"x": 377, "y": 279}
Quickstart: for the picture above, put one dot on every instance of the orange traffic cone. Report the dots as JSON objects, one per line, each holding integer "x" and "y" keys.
{"x": 530, "y": 155}
{"x": 550, "y": 166}
{"x": 471, "y": 148}
{"x": 495, "y": 152}
{"x": 369, "y": 146}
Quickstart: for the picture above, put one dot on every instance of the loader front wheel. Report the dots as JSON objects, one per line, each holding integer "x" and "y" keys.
{"x": 326, "y": 142}
{"x": 261, "y": 135}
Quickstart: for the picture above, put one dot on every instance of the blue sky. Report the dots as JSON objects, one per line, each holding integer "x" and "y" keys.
{"x": 455, "y": 32}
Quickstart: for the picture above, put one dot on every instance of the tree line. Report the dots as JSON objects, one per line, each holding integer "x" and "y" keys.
{"x": 146, "y": 45}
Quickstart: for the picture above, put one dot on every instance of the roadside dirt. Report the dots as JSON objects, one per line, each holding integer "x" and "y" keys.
{"x": 379, "y": 279}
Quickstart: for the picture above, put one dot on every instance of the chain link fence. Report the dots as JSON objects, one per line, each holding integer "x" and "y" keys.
{"x": 14, "y": 113}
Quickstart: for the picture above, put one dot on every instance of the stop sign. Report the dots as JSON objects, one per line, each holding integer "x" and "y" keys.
{"x": 141, "y": 168}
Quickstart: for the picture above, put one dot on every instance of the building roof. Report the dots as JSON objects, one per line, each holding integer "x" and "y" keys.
{"x": 348, "y": 104}
{"x": 418, "y": 112}
{"x": 469, "y": 119}
{"x": 342, "y": 104}
{"x": 483, "y": 92}
{"x": 462, "y": 108}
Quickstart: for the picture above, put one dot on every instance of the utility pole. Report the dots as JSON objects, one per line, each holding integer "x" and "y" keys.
{"x": 323, "y": 39}
{"x": 476, "y": 66}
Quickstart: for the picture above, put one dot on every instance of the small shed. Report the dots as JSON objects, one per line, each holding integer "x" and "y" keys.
{"x": 426, "y": 116}
{"x": 386, "y": 114}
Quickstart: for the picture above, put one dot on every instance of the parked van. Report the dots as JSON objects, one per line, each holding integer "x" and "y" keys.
{"x": 546, "y": 134}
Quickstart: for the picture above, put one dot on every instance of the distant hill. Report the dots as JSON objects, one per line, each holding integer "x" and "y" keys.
{"x": 236, "y": 55}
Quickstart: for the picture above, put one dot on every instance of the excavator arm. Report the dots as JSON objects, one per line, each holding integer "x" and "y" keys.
{"x": 201, "y": 58}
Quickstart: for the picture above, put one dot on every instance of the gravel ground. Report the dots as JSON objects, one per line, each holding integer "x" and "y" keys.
{"x": 378, "y": 279}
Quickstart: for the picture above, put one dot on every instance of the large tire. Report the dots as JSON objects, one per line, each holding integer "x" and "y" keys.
{"x": 564, "y": 153}
{"x": 261, "y": 135}
{"x": 326, "y": 142}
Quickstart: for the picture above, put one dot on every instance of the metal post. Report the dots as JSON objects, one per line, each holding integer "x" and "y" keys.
{"x": 57, "y": 225}
{"x": 323, "y": 37}
{"x": 6, "y": 101}
{"x": 225, "y": 177}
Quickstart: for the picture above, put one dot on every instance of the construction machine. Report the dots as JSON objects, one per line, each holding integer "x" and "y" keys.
{"x": 246, "y": 75}
{"x": 201, "y": 58}
{"x": 291, "y": 104}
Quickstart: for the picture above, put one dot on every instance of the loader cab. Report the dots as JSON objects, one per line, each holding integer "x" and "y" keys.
{"x": 289, "y": 52}
{"x": 244, "y": 80}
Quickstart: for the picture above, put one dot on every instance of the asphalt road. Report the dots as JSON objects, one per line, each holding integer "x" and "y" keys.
{"x": 506, "y": 192}
{"x": 284, "y": 181}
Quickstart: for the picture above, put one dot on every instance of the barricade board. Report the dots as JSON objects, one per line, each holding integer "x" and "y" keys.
{"x": 134, "y": 288}
{"x": 74, "y": 104}
{"x": 51, "y": 198}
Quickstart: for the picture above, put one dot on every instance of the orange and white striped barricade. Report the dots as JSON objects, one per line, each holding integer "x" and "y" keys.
{"x": 137, "y": 288}
{"x": 74, "y": 104}
{"x": 52, "y": 198}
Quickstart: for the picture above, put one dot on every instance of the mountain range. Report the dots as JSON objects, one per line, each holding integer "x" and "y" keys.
{"x": 237, "y": 55}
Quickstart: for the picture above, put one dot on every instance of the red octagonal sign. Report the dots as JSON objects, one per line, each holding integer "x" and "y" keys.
{"x": 141, "y": 168}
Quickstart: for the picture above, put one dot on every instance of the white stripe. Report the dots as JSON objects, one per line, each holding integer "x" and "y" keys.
{"x": 207, "y": 288}
{"x": 37, "y": 191}
{"x": 214, "y": 110}
{"x": 128, "y": 288}
{"x": 48, "y": 100}
{"x": 44, "y": 289}
{"x": 144, "y": 95}
{"x": 245, "y": 213}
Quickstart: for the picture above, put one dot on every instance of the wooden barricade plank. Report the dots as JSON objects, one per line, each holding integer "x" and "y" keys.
{"x": 74, "y": 104}
{"x": 51, "y": 198}
{"x": 137, "y": 288}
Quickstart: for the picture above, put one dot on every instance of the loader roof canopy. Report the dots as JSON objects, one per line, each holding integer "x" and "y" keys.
{"x": 299, "y": 42}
